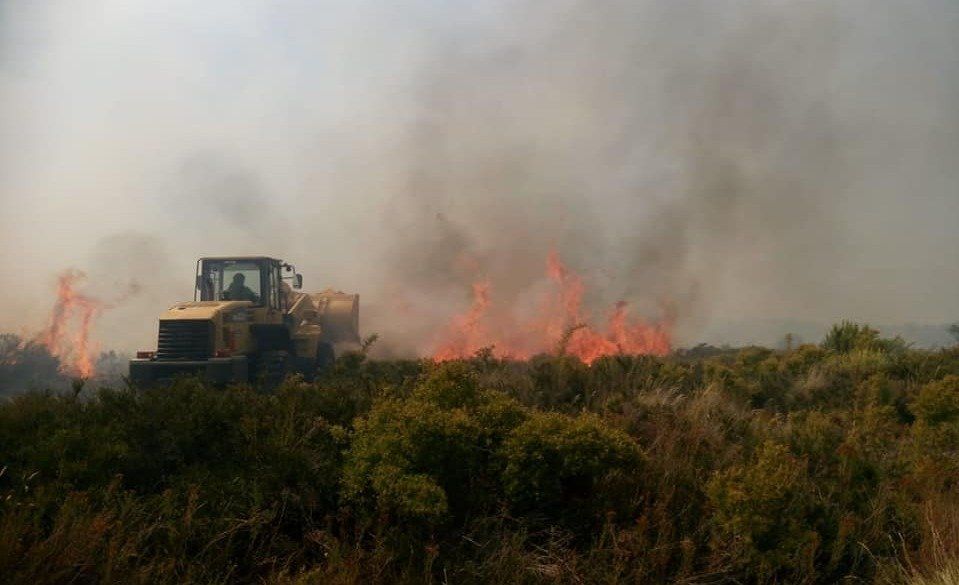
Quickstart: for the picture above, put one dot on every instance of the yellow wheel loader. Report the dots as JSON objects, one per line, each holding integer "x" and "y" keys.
{"x": 248, "y": 324}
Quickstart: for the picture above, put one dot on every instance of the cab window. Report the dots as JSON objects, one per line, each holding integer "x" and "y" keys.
{"x": 232, "y": 280}
{"x": 274, "y": 288}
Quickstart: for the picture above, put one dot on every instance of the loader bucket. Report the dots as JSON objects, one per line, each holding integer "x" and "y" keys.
{"x": 339, "y": 315}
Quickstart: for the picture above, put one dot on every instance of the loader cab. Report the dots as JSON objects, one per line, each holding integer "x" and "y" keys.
{"x": 251, "y": 278}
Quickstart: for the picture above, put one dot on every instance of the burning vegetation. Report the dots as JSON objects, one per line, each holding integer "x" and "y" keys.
{"x": 560, "y": 325}
{"x": 67, "y": 337}
{"x": 65, "y": 349}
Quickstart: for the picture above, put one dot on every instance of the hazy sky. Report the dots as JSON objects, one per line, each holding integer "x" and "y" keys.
{"x": 743, "y": 159}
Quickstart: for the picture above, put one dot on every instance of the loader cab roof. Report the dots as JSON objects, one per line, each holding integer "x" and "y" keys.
{"x": 240, "y": 258}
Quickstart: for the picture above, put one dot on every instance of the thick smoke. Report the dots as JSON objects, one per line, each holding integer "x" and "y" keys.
{"x": 737, "y": 160}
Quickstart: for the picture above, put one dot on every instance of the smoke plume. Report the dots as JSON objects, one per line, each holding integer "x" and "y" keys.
{"x": 737, "y": 159}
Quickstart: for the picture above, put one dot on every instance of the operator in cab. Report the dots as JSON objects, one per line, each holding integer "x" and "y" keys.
{"x": 238, "y": 291}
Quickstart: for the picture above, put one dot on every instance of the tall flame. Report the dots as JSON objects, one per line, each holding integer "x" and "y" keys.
{"x": 562, "y": 326}
{"x": 466, "y": 333}
{"x": 68, "y": 335}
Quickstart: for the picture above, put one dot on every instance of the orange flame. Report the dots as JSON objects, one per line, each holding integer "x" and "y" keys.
{"x": 562, "y": 327}
{"x": 466, "y": 332}
{"x": 68, "y": 335}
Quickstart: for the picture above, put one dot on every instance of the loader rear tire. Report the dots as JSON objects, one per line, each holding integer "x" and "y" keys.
{"x": 272, "y": 368}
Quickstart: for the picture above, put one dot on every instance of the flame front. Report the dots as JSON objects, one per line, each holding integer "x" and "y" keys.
{"x": 68, "y": 335}
{"x": 466, "y": 333}
{"x": 562, "y": 326}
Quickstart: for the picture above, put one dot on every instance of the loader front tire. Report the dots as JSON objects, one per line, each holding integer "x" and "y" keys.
{"x": 325, "y": 357}
{"x": 272, "y": 368}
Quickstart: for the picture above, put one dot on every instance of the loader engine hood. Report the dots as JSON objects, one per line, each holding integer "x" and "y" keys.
{"x": 202, "y": 309}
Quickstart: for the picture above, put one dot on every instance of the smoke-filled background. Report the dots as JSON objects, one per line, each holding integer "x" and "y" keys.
{"x": 746, "y": 162}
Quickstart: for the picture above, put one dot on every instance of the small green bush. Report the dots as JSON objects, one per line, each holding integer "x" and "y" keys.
{"x": 938, "y": 402}
{"x": 431, "y": 457}
{"x": 762, "y": 512}
{"x": 569, "y": 468}
{"x": 935, "y": 435}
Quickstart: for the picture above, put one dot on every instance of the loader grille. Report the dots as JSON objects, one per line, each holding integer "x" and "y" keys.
{"x": 185, "y": 340}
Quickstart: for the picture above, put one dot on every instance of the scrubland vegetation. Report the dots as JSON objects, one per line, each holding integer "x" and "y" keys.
{"x": 810, "y": 465}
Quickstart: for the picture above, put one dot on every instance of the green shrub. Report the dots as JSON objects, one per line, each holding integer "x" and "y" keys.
{"x": 816, "y": 464}
{"x": 761, "y": 522}
{"x": 935, "y": 435}
{"x": 431, "y": 457}
{"x": 847, "y": 336}
{"x": 568, "y": 469}
{"x": 938, "y": 402}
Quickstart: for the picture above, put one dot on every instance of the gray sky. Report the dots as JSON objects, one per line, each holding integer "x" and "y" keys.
{"x": 743, "y": 159}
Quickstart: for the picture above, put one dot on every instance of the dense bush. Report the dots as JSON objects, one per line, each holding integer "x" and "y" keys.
{"x": 568, "y": 469}
{"x": 812, "y": 464}
{"x": 432, "y": 456}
